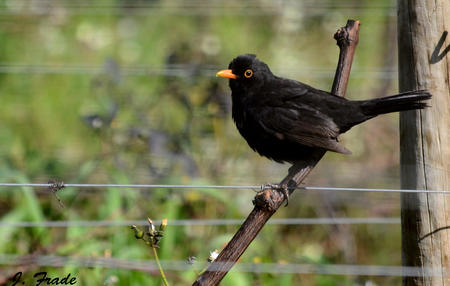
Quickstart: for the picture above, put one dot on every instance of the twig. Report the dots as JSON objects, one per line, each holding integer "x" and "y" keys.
{"x": 267, "y": 202}
{"x": 347, "y": 39}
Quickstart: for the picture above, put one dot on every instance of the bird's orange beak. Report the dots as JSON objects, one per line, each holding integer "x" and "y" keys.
{"x": 227, "y": 74}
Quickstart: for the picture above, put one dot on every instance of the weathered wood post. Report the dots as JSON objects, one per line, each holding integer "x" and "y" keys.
{"x": 424, "y": 63}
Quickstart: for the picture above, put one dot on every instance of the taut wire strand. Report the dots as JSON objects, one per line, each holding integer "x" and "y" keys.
{"x": 180, "y": 265}
{"x": 237, "y": 187}
{"x": 204, "y": 222}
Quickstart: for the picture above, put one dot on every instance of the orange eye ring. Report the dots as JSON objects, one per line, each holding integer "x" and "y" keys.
{"x": 248, "y": 73}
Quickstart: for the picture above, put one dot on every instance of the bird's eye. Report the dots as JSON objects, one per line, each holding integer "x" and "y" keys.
{"x": 248, "y": 73}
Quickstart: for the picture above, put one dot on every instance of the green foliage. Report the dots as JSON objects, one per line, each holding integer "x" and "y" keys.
{"x": 112, "y": 96}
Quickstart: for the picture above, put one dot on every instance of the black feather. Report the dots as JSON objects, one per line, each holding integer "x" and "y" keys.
{"x": 285, "y": 120}
{"x": 401, "y": 102}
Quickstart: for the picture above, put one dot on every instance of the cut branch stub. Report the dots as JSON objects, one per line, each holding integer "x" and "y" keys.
{"x": 347, "y": 38}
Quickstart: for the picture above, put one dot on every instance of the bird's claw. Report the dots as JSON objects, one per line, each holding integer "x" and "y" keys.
{"x": 270, "y": 187}
{"x": 278, "y": 187}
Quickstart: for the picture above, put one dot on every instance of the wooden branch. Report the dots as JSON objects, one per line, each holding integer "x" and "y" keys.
{"x": 347, "y": 39}
{"x": 267, "y": 202}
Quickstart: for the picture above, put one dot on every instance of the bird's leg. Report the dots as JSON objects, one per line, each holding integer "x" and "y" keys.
{"x": 281, "y": 188}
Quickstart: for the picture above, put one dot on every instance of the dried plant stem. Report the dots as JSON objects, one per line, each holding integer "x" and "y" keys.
{"x": 155, "y": 253}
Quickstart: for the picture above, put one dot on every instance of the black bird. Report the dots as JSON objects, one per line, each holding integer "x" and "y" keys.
{"x": 285, "y": 120}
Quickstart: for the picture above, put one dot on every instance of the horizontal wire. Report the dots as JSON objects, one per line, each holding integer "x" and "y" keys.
{"x": 178, "y": 70}
{"x": 235, "y": 187}
{"x": 140, "y": 186}
{"x": 374, "y": 190}
{"x": 45, "y": 6}
{"x": 203, "y": 4}
{"x": 185, "y": 70}
{"x": 203, "y": 222}
{"x": 180, "y": 265}
{"x": 186, "y": 12}
{"x": 204, "y": 8}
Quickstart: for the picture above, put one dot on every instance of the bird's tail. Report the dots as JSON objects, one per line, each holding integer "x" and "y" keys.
{"x": 400, "y": 102}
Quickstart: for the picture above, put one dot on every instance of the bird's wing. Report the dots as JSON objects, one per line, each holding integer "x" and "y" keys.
{"x": 300, "y": 123}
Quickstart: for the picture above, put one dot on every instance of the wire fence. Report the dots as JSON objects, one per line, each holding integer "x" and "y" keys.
{"x": 189, "y": 8}
{"x": 180, "y": 265}
{"x": 203, "y": 222}
{"x": 175, "y": 70}
{"x": 196, "y": 8}
{"x": 61, "y": 185}
{"x": 330, "y": 4}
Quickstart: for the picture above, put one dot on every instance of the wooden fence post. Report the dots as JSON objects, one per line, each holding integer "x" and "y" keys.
{"x": 424, "y": 63}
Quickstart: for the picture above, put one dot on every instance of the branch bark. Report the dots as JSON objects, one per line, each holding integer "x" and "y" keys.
{"x": 267, "y": 202}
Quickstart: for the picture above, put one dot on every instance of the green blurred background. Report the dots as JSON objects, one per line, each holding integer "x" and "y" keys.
{"x": 124, "y": 92}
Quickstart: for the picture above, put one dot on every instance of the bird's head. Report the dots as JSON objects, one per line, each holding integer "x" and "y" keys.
{"x": 246, "y": 72}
